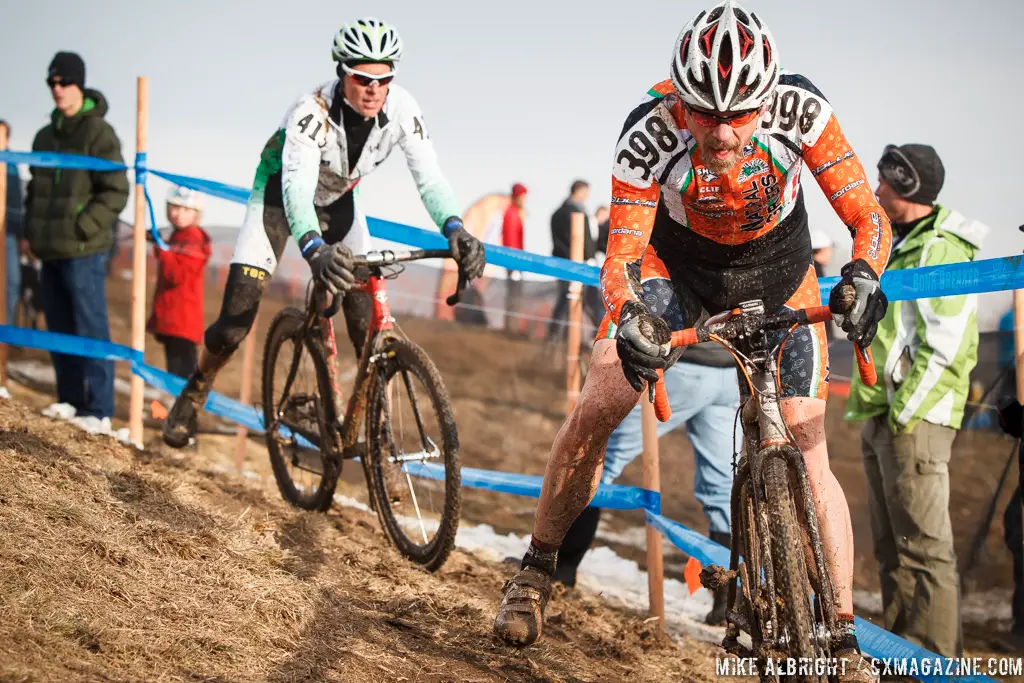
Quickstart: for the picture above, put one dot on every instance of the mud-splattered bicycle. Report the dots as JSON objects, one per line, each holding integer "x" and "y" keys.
{"x": 785, "y": 600}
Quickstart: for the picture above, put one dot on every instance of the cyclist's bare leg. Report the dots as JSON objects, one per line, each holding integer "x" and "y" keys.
{"x": 806, "y": 419}
{"x": 570, "y": 481}
{"x": 574, "y": 467}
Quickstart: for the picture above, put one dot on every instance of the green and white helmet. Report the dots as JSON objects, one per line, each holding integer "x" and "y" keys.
{"x": 367, "y": 40}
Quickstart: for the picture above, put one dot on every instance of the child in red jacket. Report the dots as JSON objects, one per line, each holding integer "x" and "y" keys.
{"x": 177, "y": 319}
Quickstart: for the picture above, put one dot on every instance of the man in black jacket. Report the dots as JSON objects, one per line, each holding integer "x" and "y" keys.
{"x": 561, "y": 240}
{"x": 69, "y": 219}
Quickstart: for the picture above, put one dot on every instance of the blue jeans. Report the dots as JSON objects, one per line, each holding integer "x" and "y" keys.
{"x": 705, "y": 399}
{"x": 13, "y": 277}
{"x": 74, "y": 294}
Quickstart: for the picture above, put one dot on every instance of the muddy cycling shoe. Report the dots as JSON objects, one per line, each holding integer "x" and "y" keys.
{"x": 521, "y": 614}
{"x": 182, "y": 421}
{"x": 854, "y": 667}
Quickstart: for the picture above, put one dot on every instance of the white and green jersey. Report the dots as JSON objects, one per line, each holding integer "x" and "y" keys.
{"x": 924, "y": 350}
{"x": 304, "y": 166}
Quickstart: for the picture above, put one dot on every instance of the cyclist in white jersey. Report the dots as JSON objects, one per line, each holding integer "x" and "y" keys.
{"x": 329, "y": 140}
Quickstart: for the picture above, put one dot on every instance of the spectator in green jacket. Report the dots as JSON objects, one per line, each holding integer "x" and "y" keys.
{"x": 69, "y": 219}
{"x": 924, "y": 352}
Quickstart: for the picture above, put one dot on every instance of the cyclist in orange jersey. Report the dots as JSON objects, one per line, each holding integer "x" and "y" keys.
{"x": 707, "y": 212}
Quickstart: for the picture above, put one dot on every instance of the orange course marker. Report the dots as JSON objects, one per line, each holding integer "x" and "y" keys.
{"x": 158, "y": 410}
{"x": 692, "y": 574}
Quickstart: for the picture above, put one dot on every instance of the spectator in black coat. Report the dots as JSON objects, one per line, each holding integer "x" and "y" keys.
{"x": 561, "y": 240}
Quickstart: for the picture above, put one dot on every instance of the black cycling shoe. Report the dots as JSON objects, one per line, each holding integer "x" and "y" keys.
{"x": 182, "y": 422}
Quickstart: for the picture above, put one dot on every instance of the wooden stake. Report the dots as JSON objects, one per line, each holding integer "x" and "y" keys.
{"x": 572, "y": 351}
{"x": 652, "y": 482}
{"x": 3, "y": 256}
{"x": 248, "y": 358}
{"x": 139, "y": 267}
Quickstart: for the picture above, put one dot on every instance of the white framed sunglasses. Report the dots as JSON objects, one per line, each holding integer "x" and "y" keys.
{"x": 366, "y": 80}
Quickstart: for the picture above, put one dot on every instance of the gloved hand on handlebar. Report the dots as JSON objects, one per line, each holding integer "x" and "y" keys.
{"x": 642, "y": 341}
{"x": 467, "y": 250}
{"x": 860, "y": 319}
{"x": 332, "y": 265}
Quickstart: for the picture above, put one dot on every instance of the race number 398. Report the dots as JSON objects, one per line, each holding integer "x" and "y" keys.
{"x": 791, "y": 109}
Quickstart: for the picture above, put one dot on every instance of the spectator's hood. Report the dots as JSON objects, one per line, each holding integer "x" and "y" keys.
{"x": 971, "y": 231}
{"x": 95, "y": 105}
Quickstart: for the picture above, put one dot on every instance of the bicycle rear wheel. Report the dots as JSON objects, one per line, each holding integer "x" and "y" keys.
{"x": 792, "y": 582}
{"x": 413, "y": 454}
{"x": 299, "y": 436}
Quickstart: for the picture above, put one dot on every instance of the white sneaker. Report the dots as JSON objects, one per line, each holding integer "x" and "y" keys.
{"x": 92, "y": 424}
{"x": 60, "y": 411}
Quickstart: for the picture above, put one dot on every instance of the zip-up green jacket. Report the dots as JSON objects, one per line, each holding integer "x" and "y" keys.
{"x": 924, "y": 350}
{"x": 71, "y": 213}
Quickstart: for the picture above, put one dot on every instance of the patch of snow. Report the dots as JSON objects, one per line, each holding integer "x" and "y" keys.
{"x": 60, "y": 411}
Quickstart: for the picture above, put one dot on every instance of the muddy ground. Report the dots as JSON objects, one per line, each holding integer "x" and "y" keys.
{"x": 118, "y": 566}
{"x": 509, "y": 400}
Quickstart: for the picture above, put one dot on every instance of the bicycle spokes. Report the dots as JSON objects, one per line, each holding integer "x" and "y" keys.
{"x": 411, "y": 434}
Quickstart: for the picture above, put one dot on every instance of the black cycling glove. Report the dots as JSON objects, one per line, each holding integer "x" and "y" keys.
{"x": 859, "y": 319}
{"x": 467, "y": 250}
{"x": 642, "y": 341}
{"x": 332, "y": 264}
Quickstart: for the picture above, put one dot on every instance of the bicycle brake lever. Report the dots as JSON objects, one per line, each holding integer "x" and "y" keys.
{"x": 335, "y": 306}
{"x": 459, "y": 289}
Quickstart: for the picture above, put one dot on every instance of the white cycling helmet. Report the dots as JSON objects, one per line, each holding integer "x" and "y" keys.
{"x": 725, "y": 60}
{"x": 186, "y": 197}
{"x": 367, "y": 40}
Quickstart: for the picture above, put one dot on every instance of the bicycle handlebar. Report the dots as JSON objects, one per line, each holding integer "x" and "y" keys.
{"x": 387, "y": 257}
{"x": 734, "y": 327}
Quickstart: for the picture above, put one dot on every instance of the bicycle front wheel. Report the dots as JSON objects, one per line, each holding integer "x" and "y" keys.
{"x": 413, "y": 454}
{"x": 792, "y": 583}
{"x": 299, "y": 438}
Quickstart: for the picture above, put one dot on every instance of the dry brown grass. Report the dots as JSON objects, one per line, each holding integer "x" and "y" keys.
{"x": 117, "y": 567}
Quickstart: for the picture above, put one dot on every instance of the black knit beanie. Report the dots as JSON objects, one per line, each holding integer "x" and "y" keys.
{"x": 69, "y": 67}
{"x": 914, "y": 171}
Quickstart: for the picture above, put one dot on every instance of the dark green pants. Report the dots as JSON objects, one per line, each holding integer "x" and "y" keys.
{"x": 908, "y": 499}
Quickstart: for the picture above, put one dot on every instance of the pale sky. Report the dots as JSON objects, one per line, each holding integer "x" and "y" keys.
{"x": 534, "y": 92}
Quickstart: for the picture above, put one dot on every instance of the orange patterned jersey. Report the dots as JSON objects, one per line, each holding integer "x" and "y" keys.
{"x": 665, "y": 198}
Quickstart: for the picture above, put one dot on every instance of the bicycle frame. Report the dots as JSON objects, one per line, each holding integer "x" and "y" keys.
{"x": 382, "y": 325}
{"x": 765, "y": 436}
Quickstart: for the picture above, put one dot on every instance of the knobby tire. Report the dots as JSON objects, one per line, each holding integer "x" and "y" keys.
{"x": 285, "y": 326}
{"x": 403, "y": 355}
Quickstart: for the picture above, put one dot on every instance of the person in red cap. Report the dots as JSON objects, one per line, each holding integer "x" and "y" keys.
{"x": 512, "y": 237}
